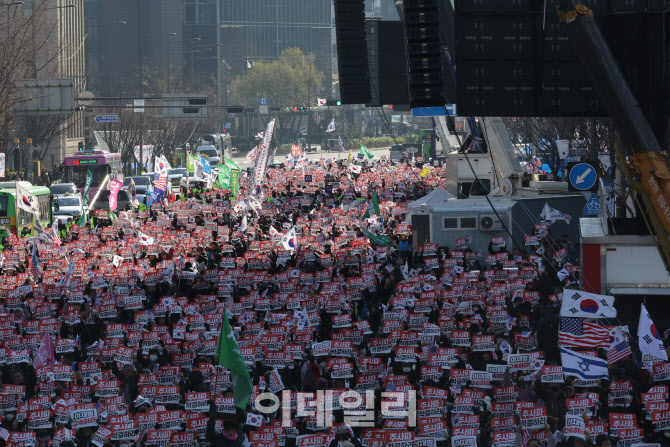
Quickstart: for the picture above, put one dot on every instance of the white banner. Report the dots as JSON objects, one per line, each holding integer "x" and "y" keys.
{"x": 262, "y": 160}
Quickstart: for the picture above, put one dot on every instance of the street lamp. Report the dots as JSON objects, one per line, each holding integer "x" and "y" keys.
{"x": 168, "y": 59}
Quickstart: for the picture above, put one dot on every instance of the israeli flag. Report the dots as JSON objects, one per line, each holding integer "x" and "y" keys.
{"x": 585, "y": 367}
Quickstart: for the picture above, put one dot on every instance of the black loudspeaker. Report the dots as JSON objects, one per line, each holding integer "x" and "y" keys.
{"x": 352, "y": 52}
{"x": 392, "y": 69}
{"x": 424, "y": 53}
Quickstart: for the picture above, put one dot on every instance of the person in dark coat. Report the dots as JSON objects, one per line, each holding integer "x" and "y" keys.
{"x": 547, "y": 335}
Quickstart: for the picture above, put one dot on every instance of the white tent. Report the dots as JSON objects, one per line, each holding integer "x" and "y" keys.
{"x": 437, "y": 199}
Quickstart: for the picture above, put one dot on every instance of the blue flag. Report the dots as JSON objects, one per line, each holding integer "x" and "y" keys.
{"x": 585, "y": 367}
{"x": 206, "y": 168}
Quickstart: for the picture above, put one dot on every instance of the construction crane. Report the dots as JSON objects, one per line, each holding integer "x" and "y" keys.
{"x": 648, "y": 168}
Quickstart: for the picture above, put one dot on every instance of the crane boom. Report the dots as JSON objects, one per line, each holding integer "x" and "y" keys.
{"x": 648, "y": 170}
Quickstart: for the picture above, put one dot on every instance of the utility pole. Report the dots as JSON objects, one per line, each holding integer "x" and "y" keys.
{"x": 309, "y": 108}
{"x": 218, "y": 61}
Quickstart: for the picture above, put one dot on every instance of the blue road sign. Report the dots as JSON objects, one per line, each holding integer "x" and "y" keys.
{"x": 449, "y": 109}
{"x": 592, "y": 207}
{"x": 583, "y": 176}
{"x": 107, "y": 119}
{"x": 264, "y": 101}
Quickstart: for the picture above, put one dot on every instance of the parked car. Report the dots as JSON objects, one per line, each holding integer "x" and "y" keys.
{"x": 68, "y": 205}
{"x": 210, "y": 153}
{"x": 143, "y": 185}
{"x": 396, "y": 153}
{"x": 177, "y": 177}
{"x": 61, "y": 189}
{"x": 122, "y": 200}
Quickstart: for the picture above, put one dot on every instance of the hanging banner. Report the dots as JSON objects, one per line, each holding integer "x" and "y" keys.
{"x": 2, "y": 165}
{"x": 262, "y": 160}
{"x": 147, "y": 155}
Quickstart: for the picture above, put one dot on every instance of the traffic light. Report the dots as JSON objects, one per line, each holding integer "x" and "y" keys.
{"x": 80, "y": 146}
{"x": 333, "y": 102}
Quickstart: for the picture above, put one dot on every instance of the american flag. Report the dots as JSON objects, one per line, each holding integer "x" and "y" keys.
{"x": 36, "y": 264}
{"x": 99, "y": 409}
{"x": 619, "y": 348}
{"x": 4, "y": 433}
{"x": 54, "y": 236}
{"x": 428, "y": 350}
{"x": 577, "y": 332}
{"x": 160, "y": 182}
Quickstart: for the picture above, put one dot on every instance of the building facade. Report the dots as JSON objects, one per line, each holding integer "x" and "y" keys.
{"x": 59, "y": 51}
{"x": 122, "y": 34}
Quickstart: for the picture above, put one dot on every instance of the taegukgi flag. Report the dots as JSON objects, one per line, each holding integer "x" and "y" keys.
{"x": 25, "y": 200}
{"x": 289, "y": 239}
{"x": 649, "y": 338}
{"x": 577, "y": 303}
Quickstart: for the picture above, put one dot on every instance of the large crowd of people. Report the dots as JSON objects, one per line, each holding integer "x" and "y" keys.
{"x": 110, "y": 330}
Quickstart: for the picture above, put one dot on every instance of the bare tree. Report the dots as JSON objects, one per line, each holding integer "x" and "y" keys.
{"x": 30, "y": 48}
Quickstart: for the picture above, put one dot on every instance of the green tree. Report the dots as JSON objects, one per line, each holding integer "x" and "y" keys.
{"x": 291, "y": 81}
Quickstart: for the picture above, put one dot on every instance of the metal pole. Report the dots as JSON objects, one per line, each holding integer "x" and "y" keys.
{"x": 168, "y": 66}
{"x": 620, "y": 200}
{"x": 30, "y": 163}
{"x": 309, "y": 108}
{"x": 139, "y": 60}
{"x": 218, "y": 59}
{"x": 87, "y": 128}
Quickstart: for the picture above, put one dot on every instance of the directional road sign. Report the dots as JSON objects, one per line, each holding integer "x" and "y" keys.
{"x": 264, "y": 101}
{"x": 107, "y": 119}
{"x": 582, "y": 177}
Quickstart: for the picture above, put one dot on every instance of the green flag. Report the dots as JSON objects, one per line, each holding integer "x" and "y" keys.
{"x": 190, "y": 165}
{"x": 231, "y": 164}
{"x": 373, "y": 207}
{"x": 82, "y": 220}
{"x": 364, "y": 150}
{"x": 229, "y": 355}
{"x": 224, "y": 176}
{"x": 382, "y": 240}
{"x": 235, "y": 182}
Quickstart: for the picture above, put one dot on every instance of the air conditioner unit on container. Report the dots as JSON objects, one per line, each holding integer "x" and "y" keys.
{"x": 490, "y": 222}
